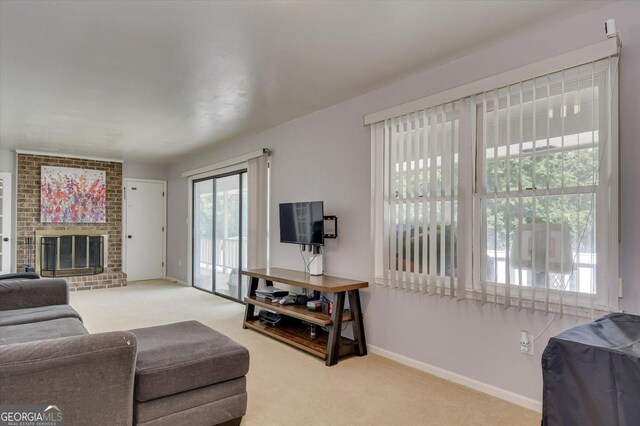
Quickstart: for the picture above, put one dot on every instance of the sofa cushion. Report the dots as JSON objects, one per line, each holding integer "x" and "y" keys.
{"x": 44, "y": 330}
{"x": 20, "y": 293}
{"x": 181, "y": 402}
{"x": 40, "y": 313}
{"x": 221, "y": 412}
{"x": 188, "y": 355}
{"x": 20, "y": 276}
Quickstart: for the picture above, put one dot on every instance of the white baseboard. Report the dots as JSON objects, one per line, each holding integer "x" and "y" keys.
{"x": 175, "y": 280}
{"x": 506, "y": 395}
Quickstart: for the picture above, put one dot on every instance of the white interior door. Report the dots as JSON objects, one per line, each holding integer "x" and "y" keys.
{"x": 145, "y": 229}
{"x": 6, "y": 236}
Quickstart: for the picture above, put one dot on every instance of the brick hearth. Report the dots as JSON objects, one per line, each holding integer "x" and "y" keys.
{"x": 94, "y": 282}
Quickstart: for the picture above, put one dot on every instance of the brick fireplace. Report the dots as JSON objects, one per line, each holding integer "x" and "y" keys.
{"x": 29, "y": 225}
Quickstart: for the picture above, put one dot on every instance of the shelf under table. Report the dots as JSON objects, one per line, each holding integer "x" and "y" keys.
{"x": 297, "y": 311}
{"x": 299, "y": 336}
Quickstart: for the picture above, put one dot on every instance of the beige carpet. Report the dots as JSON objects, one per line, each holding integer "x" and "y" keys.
{"x": 289, "y": 387}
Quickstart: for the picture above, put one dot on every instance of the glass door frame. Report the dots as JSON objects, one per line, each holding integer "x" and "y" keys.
{"x": 194, "y": 259}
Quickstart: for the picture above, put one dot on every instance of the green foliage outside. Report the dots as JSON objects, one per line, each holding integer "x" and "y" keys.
{"x": 568, "y": 169}
{"x": 553, "y": 170}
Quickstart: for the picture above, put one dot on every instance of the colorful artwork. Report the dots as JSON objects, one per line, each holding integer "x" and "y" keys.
{"x": 72, "y": 195}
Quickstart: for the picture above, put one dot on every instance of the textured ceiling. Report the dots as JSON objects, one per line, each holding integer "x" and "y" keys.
{"x": 155, "y": 81}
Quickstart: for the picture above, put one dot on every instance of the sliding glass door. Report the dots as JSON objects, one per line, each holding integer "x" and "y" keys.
{"x": 220, "y": 234}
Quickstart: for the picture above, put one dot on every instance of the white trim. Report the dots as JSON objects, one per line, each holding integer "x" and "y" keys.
{"x": 226, "y": 163}
{"x": 8, "y": 221}
{"x": 189, "y": 232}
{"x": 125, "y": 181}
{"x": 177, "y": 281}
{"x": 591, "y": 53}
{"x": 615, "y": 238}
{"x": 486, "y": 388}
{"x": 66, "y": 155}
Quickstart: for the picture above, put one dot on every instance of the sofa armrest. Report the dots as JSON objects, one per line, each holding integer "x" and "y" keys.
{"x": 27, "y": 293}
{"x": 89, "y": 377}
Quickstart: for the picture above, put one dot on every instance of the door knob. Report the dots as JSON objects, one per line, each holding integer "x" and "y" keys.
{"x": 5, "y": 239}
{"x": 129, "y": 236}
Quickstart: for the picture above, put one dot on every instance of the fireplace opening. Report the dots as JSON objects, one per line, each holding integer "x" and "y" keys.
{"x": 71, "y": 255}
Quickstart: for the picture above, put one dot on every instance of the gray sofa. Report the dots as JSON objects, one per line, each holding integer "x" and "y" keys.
{"x": 184, "y": 373}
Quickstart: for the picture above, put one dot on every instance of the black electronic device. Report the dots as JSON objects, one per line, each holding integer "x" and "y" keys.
{"x": 314, "y": 305}
{"x": 270, "y": 317}
{"x": 271, "y": 292}
{"x": 302, "y": 223}
{"x": 327, "y": 305}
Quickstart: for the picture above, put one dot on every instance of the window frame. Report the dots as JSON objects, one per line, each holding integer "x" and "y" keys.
{"x": 238, "y": 168}
{"x": 482, "y": 195}
{"x": 607, "y": 217}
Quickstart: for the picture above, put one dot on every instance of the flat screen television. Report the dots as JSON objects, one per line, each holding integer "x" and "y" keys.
{"x": 302, "y": 223}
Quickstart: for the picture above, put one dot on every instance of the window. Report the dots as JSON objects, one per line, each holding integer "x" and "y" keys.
{"x": 540, "y": 144}
{"x": 506, "y": 196}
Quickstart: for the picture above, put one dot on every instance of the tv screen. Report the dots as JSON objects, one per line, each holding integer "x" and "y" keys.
{"x": 302, "y": 223}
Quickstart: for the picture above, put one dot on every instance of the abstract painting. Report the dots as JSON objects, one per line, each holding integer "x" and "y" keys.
{"x": 70, "y": 195}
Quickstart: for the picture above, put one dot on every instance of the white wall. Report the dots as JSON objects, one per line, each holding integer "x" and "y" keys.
{"x": 144, "y": 171}
{"x": 326, "y": 156}
{"x": 7, "y": 160}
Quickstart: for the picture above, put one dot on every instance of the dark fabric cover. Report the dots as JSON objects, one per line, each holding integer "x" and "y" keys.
{"x": 178, "y": 357}
{"x": 591, "y": 374}
{"x": 39, "y": 314}
{"x": 90, "y": 376}
{"x": 25, "y": 293}
{"x": 20, "y": 275}
{"x": 206, "y": 414}
{"x": 64, "y": 327}
{"x": 166, "y": 406}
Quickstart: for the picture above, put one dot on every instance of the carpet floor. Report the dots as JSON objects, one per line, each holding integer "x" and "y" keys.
{"x": 289, "y": 387}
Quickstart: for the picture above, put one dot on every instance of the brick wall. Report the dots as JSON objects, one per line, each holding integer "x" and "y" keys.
{"x": 28, "y": 208}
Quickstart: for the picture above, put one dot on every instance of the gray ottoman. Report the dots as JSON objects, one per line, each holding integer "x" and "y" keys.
{"x": 189, "y": 374}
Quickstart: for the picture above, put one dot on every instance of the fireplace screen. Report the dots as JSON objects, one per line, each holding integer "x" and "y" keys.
{"x": 70, "y": 255}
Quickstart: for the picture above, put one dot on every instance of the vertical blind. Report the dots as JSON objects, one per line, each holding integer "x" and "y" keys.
{"x": 505, "y": 196}
{"x": 543, "y": 147}
{"x": 420, "y": 191}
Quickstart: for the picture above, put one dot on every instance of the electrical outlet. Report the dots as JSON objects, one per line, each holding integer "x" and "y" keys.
{"x": 526, "y": 343}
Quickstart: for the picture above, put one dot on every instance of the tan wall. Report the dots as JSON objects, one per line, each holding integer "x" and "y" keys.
{"x": 28, "y": 205}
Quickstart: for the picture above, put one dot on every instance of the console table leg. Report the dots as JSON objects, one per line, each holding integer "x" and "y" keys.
{"x": 333, "y": 345}
{"x": 358, "y": 324}
{"x": 249, "y": 309}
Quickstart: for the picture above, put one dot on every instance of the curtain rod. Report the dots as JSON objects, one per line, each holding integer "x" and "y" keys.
{"x": 226, "y": 163}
